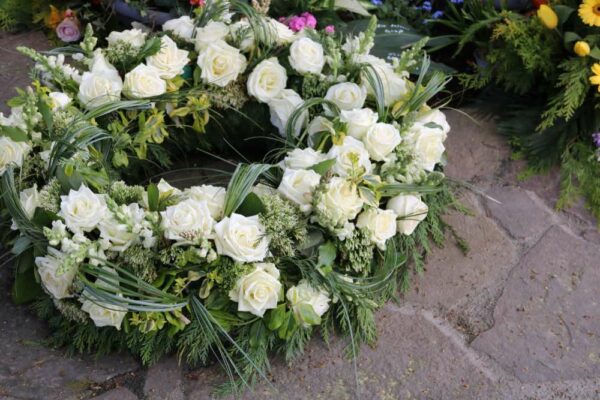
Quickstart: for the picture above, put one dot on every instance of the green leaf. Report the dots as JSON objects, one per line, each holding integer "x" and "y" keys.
{"x": 153, "y": 197}
{"x": 43, "y": 217}
{"x": 368, "y": 196}
{"x": 21, "y": 244}
{"x": 307, "y": 314}
{"x": 46, "y": 114}
{"x": 14, "y": 133}
{"x": 25, "y": 288}
{"x": 323, "y": 167}
{"x": 327, "y": 253}
{"x": 252, "y": 205}
{"x": 241, "y": 184}
{"x": 563, "y": 12}
{"x": 288, "y": 327}
{"x": 276, "y": 317}
{"x": 353, "y": 6}
{"x": 571, "y": 37}
{"x": 595, "y": 53}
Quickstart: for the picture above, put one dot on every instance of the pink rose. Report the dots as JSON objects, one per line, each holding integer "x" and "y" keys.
{"x": 68, "y": 30}
{"x": 309, "y": 19}
{"x": 330, "y": 29}
{"x": 297, "y": 23}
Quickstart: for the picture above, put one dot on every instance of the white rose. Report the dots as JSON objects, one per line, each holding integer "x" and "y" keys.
{"x": 302, "y": 158}
{"x": 410, "y": 210}
{"x": 187, "y": 220}
{"x": 212, "y": 32}
{"x": 104, "y": 314}
{"x": 267, "y": 80}
{"x": 257, "y": 291}
{"x": 242, "y": 31}
{"x": 82, "y": 209}
{"x": 350, "y": 156}
{"x": 381, "y": 225}
{"x": 182, "y": 27}
{"x": 221, "y": 63}
{"x": 57, "y": 285}
{"x": 135, "y": 37}
{"x": 280, "y": 32}
{"x": 347, "y": 95}
{"x": 144, "y": 81}
{"x": 304, "y": 294}
{"x": 306, "y": 56}
{"x": 381, "y": 140}
{"x": 427, "y": 136}
{"x": 317, "y": 125}
{"x": 242, "y": 238}
{"x": 358, "y": 121}
{"x": 30, "y": 200}
{"x": 101, "y": 85}
{"x": 119, "y": 236}
{"x": 14, "y": 119}
{"x": 214, "y": 196}
{"x": 298, "y": 186}
{"x": 12, "y": 153}
{"x": 282, "y": 107}
{"x": 170, "y": 60}
{"x": 394, "y": 85}
{"x": 340, "y": 201}
{"x": 59, "y": 100}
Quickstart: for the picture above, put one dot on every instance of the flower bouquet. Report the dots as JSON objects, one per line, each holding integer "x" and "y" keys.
{"x": 251, "y": 262}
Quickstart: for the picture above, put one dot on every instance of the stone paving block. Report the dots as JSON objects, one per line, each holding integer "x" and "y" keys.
{"x": 475, "y": 151}
{"x": 164, "y": 381}
{"x": 547, "y": 322}
{"x": 117, "y": 394}
{"x": 413, "y": 359}
{"x": 520, "y": 212}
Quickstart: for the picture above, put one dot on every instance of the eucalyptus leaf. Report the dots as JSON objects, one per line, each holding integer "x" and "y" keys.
{"x": 324, "y": 166}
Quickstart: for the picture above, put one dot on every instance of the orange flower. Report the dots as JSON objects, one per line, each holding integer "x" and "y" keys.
{"x": 54, "y": 18}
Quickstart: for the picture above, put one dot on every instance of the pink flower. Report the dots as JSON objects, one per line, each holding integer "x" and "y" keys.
{"x": 297, "y": 23}
{"x": 330, "y": 29}
{"x": 282, "y": 20}
{"x": 311, "y": 21}
{"x": 68, "y": 30}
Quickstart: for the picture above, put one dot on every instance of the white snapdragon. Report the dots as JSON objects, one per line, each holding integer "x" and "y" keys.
{"x": 169, "y": 60}
{"x": 351, "y": 157}
{"x": 144, "y": 81}
{"x": 241, "y": 238}
{"x": 220, "y": 63}
{"x": 381, "y": 225}
{"x": 410, "y": 210}
{"x": 298, "y": 186}
{"x": 257, "y": 291}
{"x": 267, "y": 80}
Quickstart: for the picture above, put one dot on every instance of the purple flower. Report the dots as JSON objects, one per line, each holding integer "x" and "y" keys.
{"x": 330, "y": 29}
{"x": 296, "y": 23}
{"x": 68, "y": 30}
{"x": 596, "y": 139}
{"x": 311, "y": 21}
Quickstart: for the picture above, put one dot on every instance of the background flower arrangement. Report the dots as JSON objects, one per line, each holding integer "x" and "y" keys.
{"x": 313, "y": 239}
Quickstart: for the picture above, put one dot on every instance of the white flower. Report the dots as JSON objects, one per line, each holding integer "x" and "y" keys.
{"x": 298, "y": 186}
{"x": 242, "y": 31}
{"x": 144, "y": 81}
{"x": 182, "y": 27}
{"x": 214, "y": 196}
{"x": 118, "y": 235}
{"x": 257, "y": 291}
{"x": 350, "y": 157}
{"x": 12, "y": 153}
{"x": 241, "y": 238}
{"x": 302, "y": 158}
{"x": 82, "y": 209}
{"x": 267, "y": 80}
{"x": 394, "y": 85}
{"x": 59, "y": 100}
{"x": 104, "y": 314}
{"x": 170, "y": 60}
{"x": 164, "y": 190}
{"x": 358, "y": 121}
{"x": 101, "y": 85}
{"x": 135, "y": 37}
{"x": 347, "y": 95}
{"x": 306, "y": 56}
{"x": 282, "y": 107}
{"x": 381, "y": 140}
{"x": 341, "y": 201}
{"x": 57, "y": 285}
{"x": 14, "y": 119}
{"x": 303, "y": 294}
{"x": 212, "y": 32}
{"x": 282, "y": 34}
{"x": 187, "y": 220}
{"x": 30, "y": 200}
{"x": 427, "y": 136}
{"x": 410, "y": 210}
{"x": 381, "y": 225}
{"x": 220, "y": 63}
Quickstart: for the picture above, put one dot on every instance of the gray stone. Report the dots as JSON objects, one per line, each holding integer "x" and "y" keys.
{"x": 520, "y": 212}
{"x": 163, "y": 381}
{"x": 117, "y": 394}
{"x": 462, "y": 285}
{"x": 417, "y": 356}
{"x": 475, "y": 151}
{"x": 547, "y": 321}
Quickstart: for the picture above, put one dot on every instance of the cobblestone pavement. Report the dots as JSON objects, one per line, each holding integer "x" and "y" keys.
{"x": 517, "y": 318}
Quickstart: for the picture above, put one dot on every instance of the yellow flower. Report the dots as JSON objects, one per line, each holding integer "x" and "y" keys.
{"x": 581, "y": 48}
{"x": 547, "y": 16}
{"x": 589, "y": 12}
{"x": 595, "y": 79}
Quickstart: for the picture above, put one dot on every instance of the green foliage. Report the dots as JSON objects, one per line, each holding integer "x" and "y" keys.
{"x": 356, "y": 252}
{"x": 285, "y": 224}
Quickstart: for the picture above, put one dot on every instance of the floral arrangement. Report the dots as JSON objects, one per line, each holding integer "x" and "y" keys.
{"x": 251, "y": 262}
